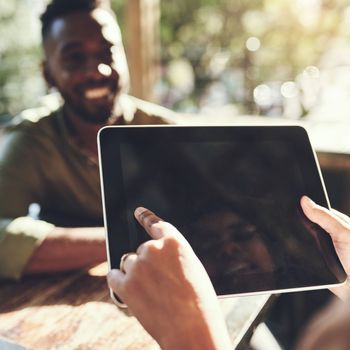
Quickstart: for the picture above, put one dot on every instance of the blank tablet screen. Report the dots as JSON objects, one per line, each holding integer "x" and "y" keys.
{"x": 234, "y": 194}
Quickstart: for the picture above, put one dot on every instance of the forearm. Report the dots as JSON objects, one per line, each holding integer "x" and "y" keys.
{"x": 200, "y": 334}
{"x": 68, "y": 249}
{"x": 198, "y": 323}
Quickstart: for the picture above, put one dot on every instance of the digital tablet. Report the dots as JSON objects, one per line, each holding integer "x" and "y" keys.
{"x": 233, "y": 192}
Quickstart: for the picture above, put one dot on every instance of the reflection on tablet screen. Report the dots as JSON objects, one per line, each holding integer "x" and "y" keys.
{"x": 231, "y": 204}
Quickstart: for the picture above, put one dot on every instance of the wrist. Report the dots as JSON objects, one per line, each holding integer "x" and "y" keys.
{"x": 194, "y": 338}
{"x": 197, "y": 334}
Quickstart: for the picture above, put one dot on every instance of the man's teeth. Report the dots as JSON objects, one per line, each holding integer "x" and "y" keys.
{"x": 97, "y": 92}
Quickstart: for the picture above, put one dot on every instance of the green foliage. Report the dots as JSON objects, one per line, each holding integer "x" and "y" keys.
{"x": 118, "y": 8}
{"x": 20, "y": 78}
{"x": 293, "y": 35}
{"x": 210, "y": 35}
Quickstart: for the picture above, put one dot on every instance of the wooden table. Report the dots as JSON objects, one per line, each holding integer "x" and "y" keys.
{"x": 74, "y": 311}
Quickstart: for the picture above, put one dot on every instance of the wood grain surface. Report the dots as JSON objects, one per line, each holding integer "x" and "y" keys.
{"x": 73, "y": 311}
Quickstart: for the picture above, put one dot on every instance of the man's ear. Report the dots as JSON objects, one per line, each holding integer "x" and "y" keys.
{"x": 47, "y": 74}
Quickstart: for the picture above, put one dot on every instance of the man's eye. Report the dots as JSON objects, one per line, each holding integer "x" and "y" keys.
{"x": 74, "y": 59}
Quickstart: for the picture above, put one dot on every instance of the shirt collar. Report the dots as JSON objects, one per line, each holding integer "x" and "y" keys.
{"x": 127, "y": 109}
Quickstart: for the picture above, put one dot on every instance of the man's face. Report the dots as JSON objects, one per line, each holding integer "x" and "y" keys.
{"x": 85, "y": 61}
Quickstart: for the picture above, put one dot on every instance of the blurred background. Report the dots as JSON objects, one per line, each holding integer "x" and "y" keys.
{"x": 280, "y": 58}
{"x": 224, "y": 59}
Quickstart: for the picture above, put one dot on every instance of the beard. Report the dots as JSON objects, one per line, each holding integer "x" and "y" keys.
{"x": 98, "y": 116}
{"x": 96, "y": 109}
{"x": 93, "y": 112}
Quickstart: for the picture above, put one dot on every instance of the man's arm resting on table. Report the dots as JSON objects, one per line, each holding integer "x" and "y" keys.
{"x": 28, "y": 246}
{"x": 66, "y": 249}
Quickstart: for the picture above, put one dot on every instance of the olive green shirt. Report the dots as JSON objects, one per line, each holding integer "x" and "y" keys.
{"x": 41, "y": 163}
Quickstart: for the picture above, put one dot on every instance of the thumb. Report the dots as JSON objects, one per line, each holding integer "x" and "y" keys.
{"x": 329, "y": 221}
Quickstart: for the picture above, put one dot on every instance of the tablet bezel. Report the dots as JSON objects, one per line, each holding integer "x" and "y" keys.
{"x": 113, "y": 136}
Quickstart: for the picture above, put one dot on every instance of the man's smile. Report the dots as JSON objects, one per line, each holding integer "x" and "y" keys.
{"x": 98, "y": 92}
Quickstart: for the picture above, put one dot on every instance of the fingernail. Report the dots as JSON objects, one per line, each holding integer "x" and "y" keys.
{"x": 309, "y": 202}
{"x": 139, "y": 211}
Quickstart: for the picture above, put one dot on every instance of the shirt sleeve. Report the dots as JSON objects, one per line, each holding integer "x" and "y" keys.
{"x": 20, "y": 185}
{"x": 21, "y": 237}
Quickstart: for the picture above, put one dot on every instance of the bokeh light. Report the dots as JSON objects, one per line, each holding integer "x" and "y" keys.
{"x": 253, "y": 44}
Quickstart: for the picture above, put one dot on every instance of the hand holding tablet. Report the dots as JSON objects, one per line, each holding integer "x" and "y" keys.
{"x": 169, "y": 259}
{"x": 338, "y": 226}
{"x": 233, "y": 192}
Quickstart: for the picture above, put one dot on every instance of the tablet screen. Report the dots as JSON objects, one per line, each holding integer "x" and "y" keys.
{"x": 233, "y": 193}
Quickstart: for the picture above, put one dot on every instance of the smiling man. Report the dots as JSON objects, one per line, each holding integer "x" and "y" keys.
{"x": 53, "y": 161}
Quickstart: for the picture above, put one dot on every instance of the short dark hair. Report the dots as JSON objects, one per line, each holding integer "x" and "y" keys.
{"x": 60, "y": 8}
